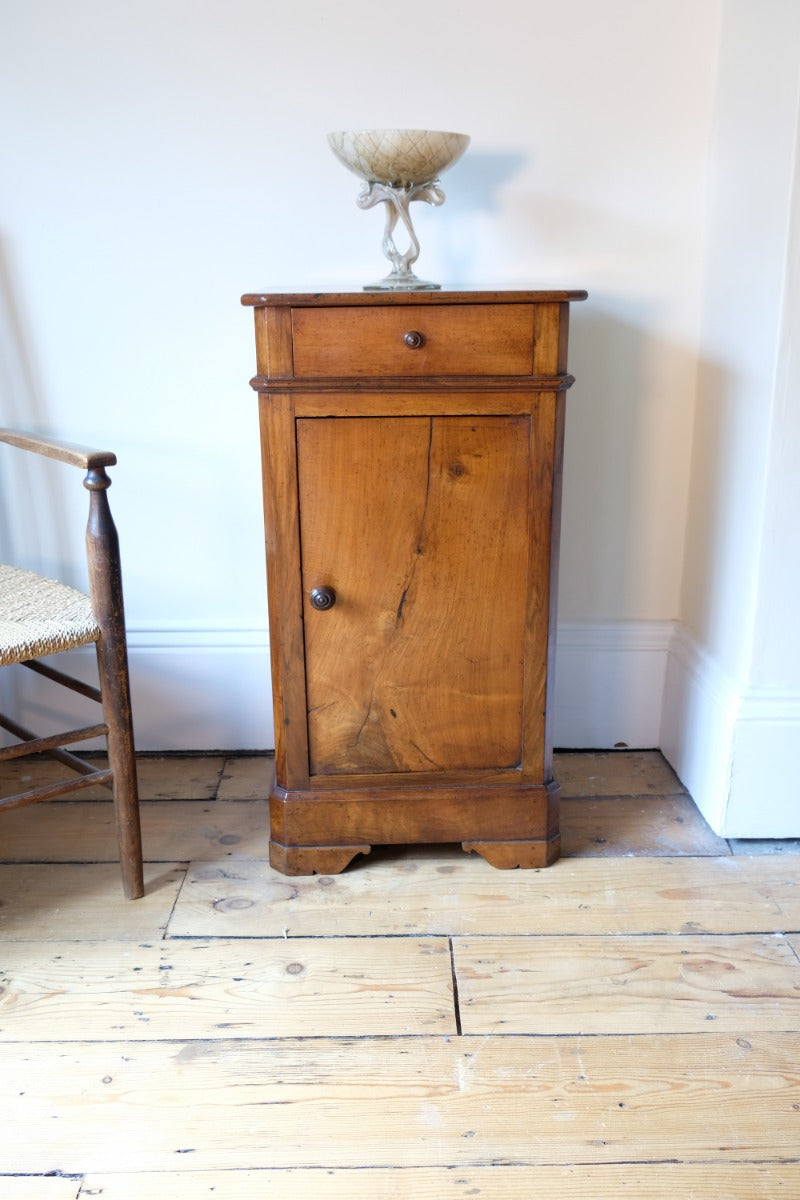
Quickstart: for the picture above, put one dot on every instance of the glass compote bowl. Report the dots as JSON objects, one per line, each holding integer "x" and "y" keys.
{"x": 398, "y": 166}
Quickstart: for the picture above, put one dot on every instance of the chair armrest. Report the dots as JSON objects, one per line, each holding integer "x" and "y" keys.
{"x": 77, "y": 456}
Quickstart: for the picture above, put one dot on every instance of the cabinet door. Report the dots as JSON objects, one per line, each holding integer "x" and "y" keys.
{"x": 420, "y": 525}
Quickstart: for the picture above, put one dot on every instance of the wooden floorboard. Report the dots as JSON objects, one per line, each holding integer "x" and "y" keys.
{"x": 177, "y": 777}
{"x": 418, "y": 1101}
{"x": 626, "y": 825}
{"x": 439, "y": 891}
{"x": 242, "y": 988}
{"x": 606, "y": 773}
{"x": 172, "y": 831}
{"x": 675, "y": 1180}
{"x": 84, "y": 902}
{"x": 30, "y": 1187}
{"x": 624, "y": 1023}
{"x": 627, "y": 985}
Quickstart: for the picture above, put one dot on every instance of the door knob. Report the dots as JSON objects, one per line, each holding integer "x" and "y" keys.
{"x": 413, "y": 339}
{"x": 323, "y": 598}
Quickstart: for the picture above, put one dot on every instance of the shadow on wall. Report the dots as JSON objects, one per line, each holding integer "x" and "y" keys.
{"x": 603, "y": 440}
{"x": 36, "y": 530}
{"x": 473, "y": 191}
{"x": 35, "y": 502}
{"x": 631, "y": 462}
{"x": 479, "y": 177}
{"x": 720, "y": 432}
{"x": 646, "y": 534}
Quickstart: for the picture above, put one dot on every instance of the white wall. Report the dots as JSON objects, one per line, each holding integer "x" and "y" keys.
{"x": 161, "y": 157}
{"x": 732, "y": 704}
{"x": 750, "y": 184}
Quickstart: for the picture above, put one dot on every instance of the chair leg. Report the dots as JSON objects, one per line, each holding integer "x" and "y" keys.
{"x": 115, "y": 687}
{"x": 105, "y": 582}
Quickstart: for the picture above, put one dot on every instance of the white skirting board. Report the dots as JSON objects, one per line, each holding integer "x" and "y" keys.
{"x": 734, "y": 748}
{"x": 609, "y": 683}
{"x": 618, "y": 684}
{"x": 200, "y": 690}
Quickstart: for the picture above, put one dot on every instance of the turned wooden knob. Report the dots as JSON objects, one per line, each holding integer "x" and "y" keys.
{"x": 323, "y": 598}
{"x": 413, "y": 339}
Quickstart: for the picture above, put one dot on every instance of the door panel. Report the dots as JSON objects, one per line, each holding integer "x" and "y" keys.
{"x": 420, "y": 525}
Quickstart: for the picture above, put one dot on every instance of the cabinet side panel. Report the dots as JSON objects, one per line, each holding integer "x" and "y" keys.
{"x": 543, "y": 559}
{"x": 274, "y": 355}
{"x": 550, "y": 332}
{"x": 279, "y": 459}
{"x": 555, "y": 540}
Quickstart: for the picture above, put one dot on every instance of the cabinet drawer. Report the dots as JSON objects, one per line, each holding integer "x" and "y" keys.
{"x": 413, "y": 340}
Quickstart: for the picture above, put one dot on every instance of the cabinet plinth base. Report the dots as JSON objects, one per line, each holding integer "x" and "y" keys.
{"x": 313, "y": 860}
{"x": 507, "y": 856}
{"x": 320, "y": 832}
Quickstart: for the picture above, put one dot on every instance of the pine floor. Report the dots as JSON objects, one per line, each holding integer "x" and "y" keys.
{"x": 624, "y": 1023}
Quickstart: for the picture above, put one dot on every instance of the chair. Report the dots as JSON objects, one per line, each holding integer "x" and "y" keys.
{"x": 40, "y": 617}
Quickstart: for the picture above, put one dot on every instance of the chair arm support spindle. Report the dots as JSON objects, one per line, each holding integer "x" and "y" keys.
{"x": 105, "y": 583}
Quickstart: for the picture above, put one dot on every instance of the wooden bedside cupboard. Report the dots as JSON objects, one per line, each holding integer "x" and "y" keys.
{"x": 411, "y": 447}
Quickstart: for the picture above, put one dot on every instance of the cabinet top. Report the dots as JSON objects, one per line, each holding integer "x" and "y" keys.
{"x": 440, "y": 296}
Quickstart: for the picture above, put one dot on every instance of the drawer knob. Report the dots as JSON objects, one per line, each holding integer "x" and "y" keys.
{"x": 413, "y": 339}
{"x": 323, "y": 598}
